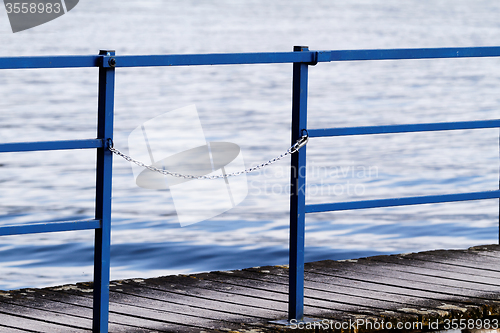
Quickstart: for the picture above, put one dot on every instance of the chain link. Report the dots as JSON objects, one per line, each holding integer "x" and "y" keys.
{"x": 293, "y": 149}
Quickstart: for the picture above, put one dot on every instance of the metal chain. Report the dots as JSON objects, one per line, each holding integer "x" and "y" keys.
{"x": 293, "y": 149}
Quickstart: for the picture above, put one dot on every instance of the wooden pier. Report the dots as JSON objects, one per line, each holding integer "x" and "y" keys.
{"x": 414, "y": 291}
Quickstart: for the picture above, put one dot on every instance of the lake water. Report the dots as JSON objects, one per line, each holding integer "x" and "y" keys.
{"x": 250, "y": 105}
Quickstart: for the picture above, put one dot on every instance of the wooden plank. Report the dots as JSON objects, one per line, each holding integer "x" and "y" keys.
{"x": 152, "y": 297}
{"x": 474, "y": 260}
{"x": 160, "y": 284}
{"x": 330, "y": 268}
{"x": 26, "y": 324}
{"x": 389, "y": 286}
{"x": 472, "y": 266}
{"x": 432, "y": 268}
{"x": 279, "y": 275}
{"x": 321, "y": 304}
{"x": 195, "y": 292}
{"x": 41, "y": 321}
{"x": 71, "y": 322}
{"x": 468, "y": 258}
{"x": 339, "y": 302}
{"x": 192, "y": 316}
{"x": 247, "y": 296}
{"x": 197, "y": 297}
{"x": 348, "y": 286}
{"x": 406, "y": 277}
{"x": 8, "y": 329}
{"x": 492, "y": 250}
{"x": 140, "y": 306}
{"x": 382, "y": 281}
{"x": 122, "y": 318}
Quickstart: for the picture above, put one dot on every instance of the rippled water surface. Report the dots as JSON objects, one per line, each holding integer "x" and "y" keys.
{"x": 250, "y": 105}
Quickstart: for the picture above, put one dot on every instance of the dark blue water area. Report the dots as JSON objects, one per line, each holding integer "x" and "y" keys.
{"x": 409, "y": 230}
{"x": 180, "y": 256}
{"x": 189, "y": 257}
{"x": 210, "y": 258}
{"x": 60, "y": 255}
{"x": 168, "y": 255}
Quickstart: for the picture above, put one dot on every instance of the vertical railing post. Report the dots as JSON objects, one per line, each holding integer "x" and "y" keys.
{"x": 103, "y": 194}
{"x": 297, "y": 192}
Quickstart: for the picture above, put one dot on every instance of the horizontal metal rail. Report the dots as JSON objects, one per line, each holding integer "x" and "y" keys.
{"x": 379, "y": 203}
{"x": 51, "y": 145}
{"x": 424, "y": 53}
{"x": 49, "y": 227}
{"x": 386, "y": 129}
{"x": 50, "y": 62}
{"x": 214, "y": 59}
{"x": 310, "y": 57}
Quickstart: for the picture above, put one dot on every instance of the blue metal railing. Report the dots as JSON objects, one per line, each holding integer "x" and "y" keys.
{"x": 102, "y": 221}
{"x": 301, "y": 58}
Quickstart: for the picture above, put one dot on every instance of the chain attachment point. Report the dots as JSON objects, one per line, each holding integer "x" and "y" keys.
{"x": 300, "y": 142}
{"x": 110, "y": 143}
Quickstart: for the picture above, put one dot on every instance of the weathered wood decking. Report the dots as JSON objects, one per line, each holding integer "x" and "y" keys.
{"x": 409, "y": 288}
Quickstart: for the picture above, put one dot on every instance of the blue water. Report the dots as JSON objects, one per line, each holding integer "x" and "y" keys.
{"x": 250, "y": 106}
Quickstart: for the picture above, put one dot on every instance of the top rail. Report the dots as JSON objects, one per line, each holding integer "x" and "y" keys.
{"x": 425, "y": 53}
{"x": 309, "y": 57}
{"x": 215, "y": 59}
{"x": 50, "y": 62}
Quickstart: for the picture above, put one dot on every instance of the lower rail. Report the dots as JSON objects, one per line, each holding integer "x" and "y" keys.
{"x": 426, "y": 199}
{"x": 49, "y": 227}
{"x": 51, "y": 145}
